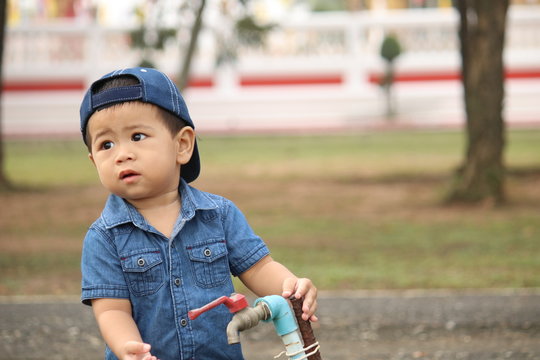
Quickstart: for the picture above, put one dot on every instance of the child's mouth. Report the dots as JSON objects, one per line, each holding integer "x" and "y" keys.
{"x": 128, "y": 174}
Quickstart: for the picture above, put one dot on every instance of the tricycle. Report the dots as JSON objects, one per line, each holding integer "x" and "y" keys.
{"x": 295, "y": 332}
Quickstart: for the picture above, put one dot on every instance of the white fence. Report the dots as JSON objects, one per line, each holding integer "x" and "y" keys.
{"x": 343, "y": 47}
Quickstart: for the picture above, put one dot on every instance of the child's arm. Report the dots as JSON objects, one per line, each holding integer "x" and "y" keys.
{"x": 269, "y": 277}
{"x": 119, "y": 330}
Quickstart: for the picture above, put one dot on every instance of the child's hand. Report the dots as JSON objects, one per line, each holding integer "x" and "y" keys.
{"x": 137, "y": 351}
{"x": 302, "y": 288}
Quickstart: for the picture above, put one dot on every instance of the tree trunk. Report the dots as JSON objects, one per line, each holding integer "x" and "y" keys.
{"x": 183, "y": 77}
{"x": 482, "y": 29}
{"x": 388, "y": 83}
{"x": 4, "y": 182}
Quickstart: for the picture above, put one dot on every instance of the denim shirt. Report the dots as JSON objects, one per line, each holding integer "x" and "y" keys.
{"x": 125, "y": 257}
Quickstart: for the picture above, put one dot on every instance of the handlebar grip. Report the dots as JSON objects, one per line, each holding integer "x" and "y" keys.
{"x": 305, "y": 327}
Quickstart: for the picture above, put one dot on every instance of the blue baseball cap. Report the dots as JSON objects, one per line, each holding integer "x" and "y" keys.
{"x": 154, "y": 88}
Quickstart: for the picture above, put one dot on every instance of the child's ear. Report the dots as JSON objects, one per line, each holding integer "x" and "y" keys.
{"x": 185, "y": 143}
{"x": 91, "y": 158}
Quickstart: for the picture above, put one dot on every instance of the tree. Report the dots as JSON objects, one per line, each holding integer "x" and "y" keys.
{"x": 151, "y": 36}
{"x": 390, "y": 50}
{"x": 183, "y": 76}
{"x": 245, "y": 30}
{"x": 4, "y": 182}
{"x": 482, "y": 30}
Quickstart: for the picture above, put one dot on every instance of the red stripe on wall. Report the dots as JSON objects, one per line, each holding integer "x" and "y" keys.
{"x": 43, "y": 85}
{"x": 290, "y": 80}
{"x": 77, "y": 85}
{"x": 409, "y": 77}
{"x": 247, "y": 81}
{"x": 375, "y": 78}
{"x": 523, "y": 74}
{"x": 201, "y": 82}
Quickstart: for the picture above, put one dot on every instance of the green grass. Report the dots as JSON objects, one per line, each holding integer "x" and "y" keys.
{"x": 49, "y": 163}
{"x": 397, "y": 254}
{"x": 328, "y": 156}
{"x": 358, "y": 211}
{"x": 45, "y": 163}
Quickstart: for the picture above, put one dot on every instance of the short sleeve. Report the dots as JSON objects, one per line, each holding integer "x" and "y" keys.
{"x": 245, "y": 248}
{"x": 102, "y": 275}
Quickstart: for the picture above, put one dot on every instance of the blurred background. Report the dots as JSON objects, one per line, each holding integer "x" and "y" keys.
{"x": 315, "y": 64}
{"x": 338, "y": 127}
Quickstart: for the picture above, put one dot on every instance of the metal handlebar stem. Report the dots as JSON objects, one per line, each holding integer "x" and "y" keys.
{"x": 269, "y": 308}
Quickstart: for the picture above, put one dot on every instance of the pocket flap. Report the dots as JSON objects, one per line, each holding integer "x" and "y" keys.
{"x": 208, "y": 251}
{"x": 141, "y": 261}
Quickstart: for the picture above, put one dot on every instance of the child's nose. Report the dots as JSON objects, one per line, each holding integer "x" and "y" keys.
{"x": 124, "y": 153}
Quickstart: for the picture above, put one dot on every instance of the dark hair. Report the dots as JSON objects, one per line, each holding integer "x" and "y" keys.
{"x": 172, "y": 122}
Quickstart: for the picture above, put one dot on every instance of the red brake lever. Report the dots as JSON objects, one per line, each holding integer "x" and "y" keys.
{"x": 235, "y": 303}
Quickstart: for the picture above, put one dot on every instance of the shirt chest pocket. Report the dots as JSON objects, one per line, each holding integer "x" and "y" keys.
{"x": 209, "y": 262}
{"x": 143, "y": 271}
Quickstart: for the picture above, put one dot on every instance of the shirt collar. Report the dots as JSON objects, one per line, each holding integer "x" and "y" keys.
{"x": 194, "y": 200}
{"x": 118, "y": 211}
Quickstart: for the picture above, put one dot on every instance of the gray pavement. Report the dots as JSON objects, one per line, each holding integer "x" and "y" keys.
{"x": 373, "y": 325}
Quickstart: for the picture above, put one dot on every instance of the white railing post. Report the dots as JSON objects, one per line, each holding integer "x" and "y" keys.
{"x": 227, "y": 80}
{"x": 355, "y": 72}
{"x": 94, "y": 37}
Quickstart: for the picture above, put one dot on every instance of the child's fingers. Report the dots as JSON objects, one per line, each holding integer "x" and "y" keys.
{"x": 138, "y": 348}
{"x": 302, "y": 288}
{"x": 305, "y": 288}
{"x": 308, "y": 309}
{"x": 289, "y": 287}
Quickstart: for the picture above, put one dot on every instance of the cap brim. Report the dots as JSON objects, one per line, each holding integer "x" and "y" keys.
{"x": 190, "y": 171}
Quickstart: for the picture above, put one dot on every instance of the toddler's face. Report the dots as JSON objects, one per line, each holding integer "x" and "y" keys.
{"x": 135, "y": 154}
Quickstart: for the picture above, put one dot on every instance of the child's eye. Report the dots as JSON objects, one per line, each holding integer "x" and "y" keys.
{"x": 106, "y": 145}
{"x": 138, "y": 137}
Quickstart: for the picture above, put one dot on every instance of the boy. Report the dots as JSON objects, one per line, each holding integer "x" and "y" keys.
{"x": 161, "y": 247}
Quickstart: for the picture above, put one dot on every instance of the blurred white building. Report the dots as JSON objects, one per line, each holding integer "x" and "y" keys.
{"x": 317, "y": 70}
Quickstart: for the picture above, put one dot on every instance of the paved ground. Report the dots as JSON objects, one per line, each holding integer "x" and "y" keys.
{"x": 358, "y": 325}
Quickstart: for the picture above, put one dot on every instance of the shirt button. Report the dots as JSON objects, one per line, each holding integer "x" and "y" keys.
{"x": 183, "y": 322}
{"x": 140, "y": 262}
{"x": 177, "y": 282}
{"x": 207, "y": 252}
